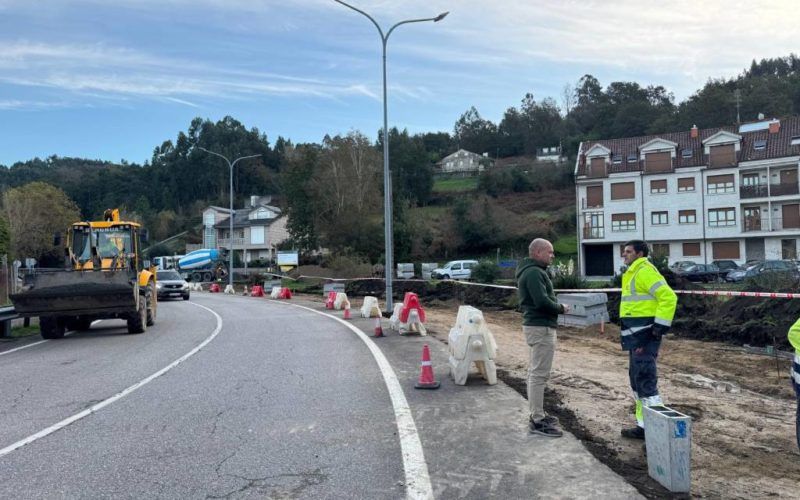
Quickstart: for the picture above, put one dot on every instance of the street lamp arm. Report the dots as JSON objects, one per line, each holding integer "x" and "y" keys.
{"x": 407, "y": 21}
{"x": 215, "y": 154}
{"x": 243, "y": 158}
{"x": 380, "y": 31}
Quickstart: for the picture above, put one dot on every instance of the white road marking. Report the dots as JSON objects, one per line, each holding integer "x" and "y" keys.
{"x": 41, "y": 341}
{"x": 92, "y": 409}
{"x": 418, "y": 481}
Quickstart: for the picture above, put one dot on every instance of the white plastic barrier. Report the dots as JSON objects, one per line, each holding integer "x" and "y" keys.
{"x": 370, "y": 308}
{"x": 341, "y": 302}
{"x": 229, "y": 289}
{"x": 275, "y": 293}
{"x": 413, "y": 323}
{"x": 470, "y": 341}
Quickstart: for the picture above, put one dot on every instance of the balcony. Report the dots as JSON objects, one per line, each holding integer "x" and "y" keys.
{"x": 593, "y": 232}
{"x": 225, "y": 242}
{"x": 755, "y": 224}
{"x": 594, "y": 204}
{"x": 760, "y": 190}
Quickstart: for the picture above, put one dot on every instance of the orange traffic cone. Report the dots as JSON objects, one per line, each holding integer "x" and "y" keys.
{"x": 378, "y": 328}
{"x": 346, "y": 313}
{"x": 426, "y": 380}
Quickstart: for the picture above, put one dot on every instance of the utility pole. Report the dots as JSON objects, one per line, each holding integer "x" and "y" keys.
{"x": 738, "y": 95}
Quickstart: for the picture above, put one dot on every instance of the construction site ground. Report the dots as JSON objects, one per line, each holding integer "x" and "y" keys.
{"x": 742, "y": 404}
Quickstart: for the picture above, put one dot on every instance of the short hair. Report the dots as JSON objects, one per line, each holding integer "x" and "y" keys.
{"x": 536, "y": 244}
{"x": 639, "y": 246}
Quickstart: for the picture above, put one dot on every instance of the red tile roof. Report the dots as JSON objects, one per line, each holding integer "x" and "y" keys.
{"x": 778, "y": 146}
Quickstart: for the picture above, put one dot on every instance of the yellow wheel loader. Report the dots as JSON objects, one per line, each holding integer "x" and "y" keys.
{"x": 105, "y": 276}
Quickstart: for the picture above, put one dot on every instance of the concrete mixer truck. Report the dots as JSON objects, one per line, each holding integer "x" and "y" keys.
{"x": 206, "y": 264}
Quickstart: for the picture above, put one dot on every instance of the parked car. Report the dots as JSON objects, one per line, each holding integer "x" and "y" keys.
{"x": 681, "y": 264}
{"x": 456, "y": 269}
{"x": 725, "y": 265}
{"x": 170, "y": 284}
{"x": 701, "y": 272}
{"x": 763, "y": 267}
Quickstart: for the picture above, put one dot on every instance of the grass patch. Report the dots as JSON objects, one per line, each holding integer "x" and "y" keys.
{"x": 24, "y": 331}
{"x": 458, "y": 185}
{"x": 566, "y": 245}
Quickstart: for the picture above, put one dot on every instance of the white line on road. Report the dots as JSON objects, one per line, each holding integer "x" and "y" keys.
{"x": 41, "y": 341}
{"x": 85, "y": 413}
{"x": 418, "y": 482}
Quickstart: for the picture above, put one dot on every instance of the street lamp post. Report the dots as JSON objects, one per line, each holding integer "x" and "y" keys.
{"x": 230, "y": 235}
{"x": 387, "y": 178}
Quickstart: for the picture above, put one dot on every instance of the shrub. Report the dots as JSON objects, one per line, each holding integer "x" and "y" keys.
{"x": 566, "y": 277}
{"x": 486, "y": 272}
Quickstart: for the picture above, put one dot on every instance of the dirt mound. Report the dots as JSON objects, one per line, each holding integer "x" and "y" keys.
{"x": 443, "y": 291}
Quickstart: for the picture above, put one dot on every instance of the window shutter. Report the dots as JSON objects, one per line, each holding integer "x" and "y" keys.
{"x": 658, "y": 162}
{"x": 623, "y": 191}
{"x": 722, "y": 156}
{"x": 720, "y": 179}
{"x": 659, "y": 185}
{"x": 623, "y": 217}
{"x": 691, "y": 249}
{"x": 597, "y": 167}
{"x": 725, "y": 249}
{"x": 594, "y": 196}
{"x": 686, "y": 184}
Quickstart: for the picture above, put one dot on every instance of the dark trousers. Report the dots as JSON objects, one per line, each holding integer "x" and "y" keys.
{"x": 642, "y": 369}
{"x": 798, "y": 421}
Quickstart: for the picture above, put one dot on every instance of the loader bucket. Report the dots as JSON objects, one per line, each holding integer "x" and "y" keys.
{"x": 70, "y": 292}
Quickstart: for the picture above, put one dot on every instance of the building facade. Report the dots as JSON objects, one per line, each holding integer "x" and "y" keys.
{"x": 728, "y": 193}
{"x": 257, "y": 229}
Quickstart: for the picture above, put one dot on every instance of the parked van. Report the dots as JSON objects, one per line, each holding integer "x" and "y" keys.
{"x": 455, "y": 269}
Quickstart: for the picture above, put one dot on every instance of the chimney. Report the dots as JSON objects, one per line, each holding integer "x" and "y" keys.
{"x": 695, "y": 132}
{"x": 774, "y": 126}
{"x": 253, "y": 201}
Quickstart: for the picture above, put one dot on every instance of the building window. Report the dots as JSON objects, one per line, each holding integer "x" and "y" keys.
{"x": 594, "y": 196}
{"x": 623, "y": 191}
{"x": 633, "y": 158}
{"x": 720, "y": 217}
{"x": 658, "y": 162}
{"x": 687, "y": 217}
{"x": 658, "y": 186}
{"x": 685, "y": 184}
{"x": 661, "y": 249}
{"x": 720, "y": 184}
{"x": 691, "y": 249}
{"x": 750, "y": 180}
{"x": 623, "y": 222}
{"x": 725, "y": 250}
{"x": 686, "y": 153}
{"x": 597, "y": 167}
{"x": 722, "y": 156}
{"x": 659, "y": 218}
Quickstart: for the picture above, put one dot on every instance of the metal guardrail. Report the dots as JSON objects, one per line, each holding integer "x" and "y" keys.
{"x": 6, "y": 315}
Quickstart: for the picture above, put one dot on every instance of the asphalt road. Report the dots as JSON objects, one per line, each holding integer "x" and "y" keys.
{"x": 281, "y": 403}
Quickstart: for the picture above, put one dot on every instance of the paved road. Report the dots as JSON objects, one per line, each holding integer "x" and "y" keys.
{"x": 281, "y": 403}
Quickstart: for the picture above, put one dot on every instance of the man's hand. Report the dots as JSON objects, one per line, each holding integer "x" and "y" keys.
{"x": 565, "y": 307}
{"x": 659, "y": 331}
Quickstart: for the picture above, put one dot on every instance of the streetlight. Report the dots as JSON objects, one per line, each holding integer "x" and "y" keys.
{"x": 387, "y": 178}
{"x": 230, "y": 236}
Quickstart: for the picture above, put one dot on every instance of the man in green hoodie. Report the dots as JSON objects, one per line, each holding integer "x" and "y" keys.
{"x": 540, "y": 312}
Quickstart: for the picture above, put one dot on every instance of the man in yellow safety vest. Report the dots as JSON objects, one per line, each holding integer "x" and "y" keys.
{"x": 646, "y": 310}
{"x": 794, "y": 339}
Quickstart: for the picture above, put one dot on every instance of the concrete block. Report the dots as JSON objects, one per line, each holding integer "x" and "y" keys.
{"x": 585, "y": 309}
{"x": 668, "y": 436}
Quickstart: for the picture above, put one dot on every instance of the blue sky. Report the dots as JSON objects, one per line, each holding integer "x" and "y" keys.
{"x": 112, "y": 79}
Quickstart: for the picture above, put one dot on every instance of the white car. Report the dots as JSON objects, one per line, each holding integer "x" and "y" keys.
{"x": 455, "y": 269}
{"x": 170, "y": 284}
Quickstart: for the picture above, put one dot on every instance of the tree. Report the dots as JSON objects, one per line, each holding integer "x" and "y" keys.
{"x": 475, "y": 134}
{"x": 35, "y": 212}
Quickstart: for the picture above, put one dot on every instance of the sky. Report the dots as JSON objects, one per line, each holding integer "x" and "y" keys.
{"x": 113, "y": 79}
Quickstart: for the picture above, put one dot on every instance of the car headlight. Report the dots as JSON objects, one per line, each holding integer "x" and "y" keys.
{"x": 185, "y": 286}
{"x": 158, "y": 286}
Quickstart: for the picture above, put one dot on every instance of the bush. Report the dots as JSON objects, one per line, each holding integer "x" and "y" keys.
{"x": 566, "y": 277}
{"x": 486, "y": 272}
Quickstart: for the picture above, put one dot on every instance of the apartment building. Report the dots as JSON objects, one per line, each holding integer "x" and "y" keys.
{"x": 702, "y": 195}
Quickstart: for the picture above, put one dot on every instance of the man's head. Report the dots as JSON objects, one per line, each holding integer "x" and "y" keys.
{"x": 541, "y": 250}
{"x": 633, "y": 250}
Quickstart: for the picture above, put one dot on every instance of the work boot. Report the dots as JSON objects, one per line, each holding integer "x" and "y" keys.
{"x": 545, "y": 427}
{"x": 633, "y": 432}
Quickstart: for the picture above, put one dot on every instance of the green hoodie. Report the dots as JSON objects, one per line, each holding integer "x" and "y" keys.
{"x": 536, "y": 297}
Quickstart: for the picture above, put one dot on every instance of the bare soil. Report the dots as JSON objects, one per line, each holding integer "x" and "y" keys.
{"x": 742, "y": 404}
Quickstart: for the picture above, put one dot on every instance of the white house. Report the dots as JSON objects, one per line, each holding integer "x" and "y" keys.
{"x": 463, "y": 161}
{"x": 257, "y": 229}
{"x": 727, "y": 193}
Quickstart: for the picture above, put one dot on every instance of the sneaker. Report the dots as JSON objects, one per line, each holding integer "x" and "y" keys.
{"x": 633, "y": 433}
{"x": 545, "y": 428}
{"x": 550, "y": 419}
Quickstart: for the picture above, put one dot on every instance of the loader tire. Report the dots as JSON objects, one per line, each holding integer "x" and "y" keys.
{"x": 51, "y": 327}
{"x": 138, "y": 322}
{"x": 152, "y": 304}
{"x": 83, "y": 324}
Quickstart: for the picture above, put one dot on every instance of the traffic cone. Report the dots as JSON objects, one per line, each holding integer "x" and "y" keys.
{"x": 426, "y": 380}
{"x": 245, "y": 292}
{"x": 378, "y": 328}
{"x": 346, "y": 313}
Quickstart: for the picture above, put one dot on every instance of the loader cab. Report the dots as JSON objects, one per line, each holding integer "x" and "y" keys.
{"x": 109, "y": 246}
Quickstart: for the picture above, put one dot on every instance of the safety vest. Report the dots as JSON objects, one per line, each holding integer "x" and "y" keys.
{"x": 646, "y": 300}
{"x": 794, "y": 339}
